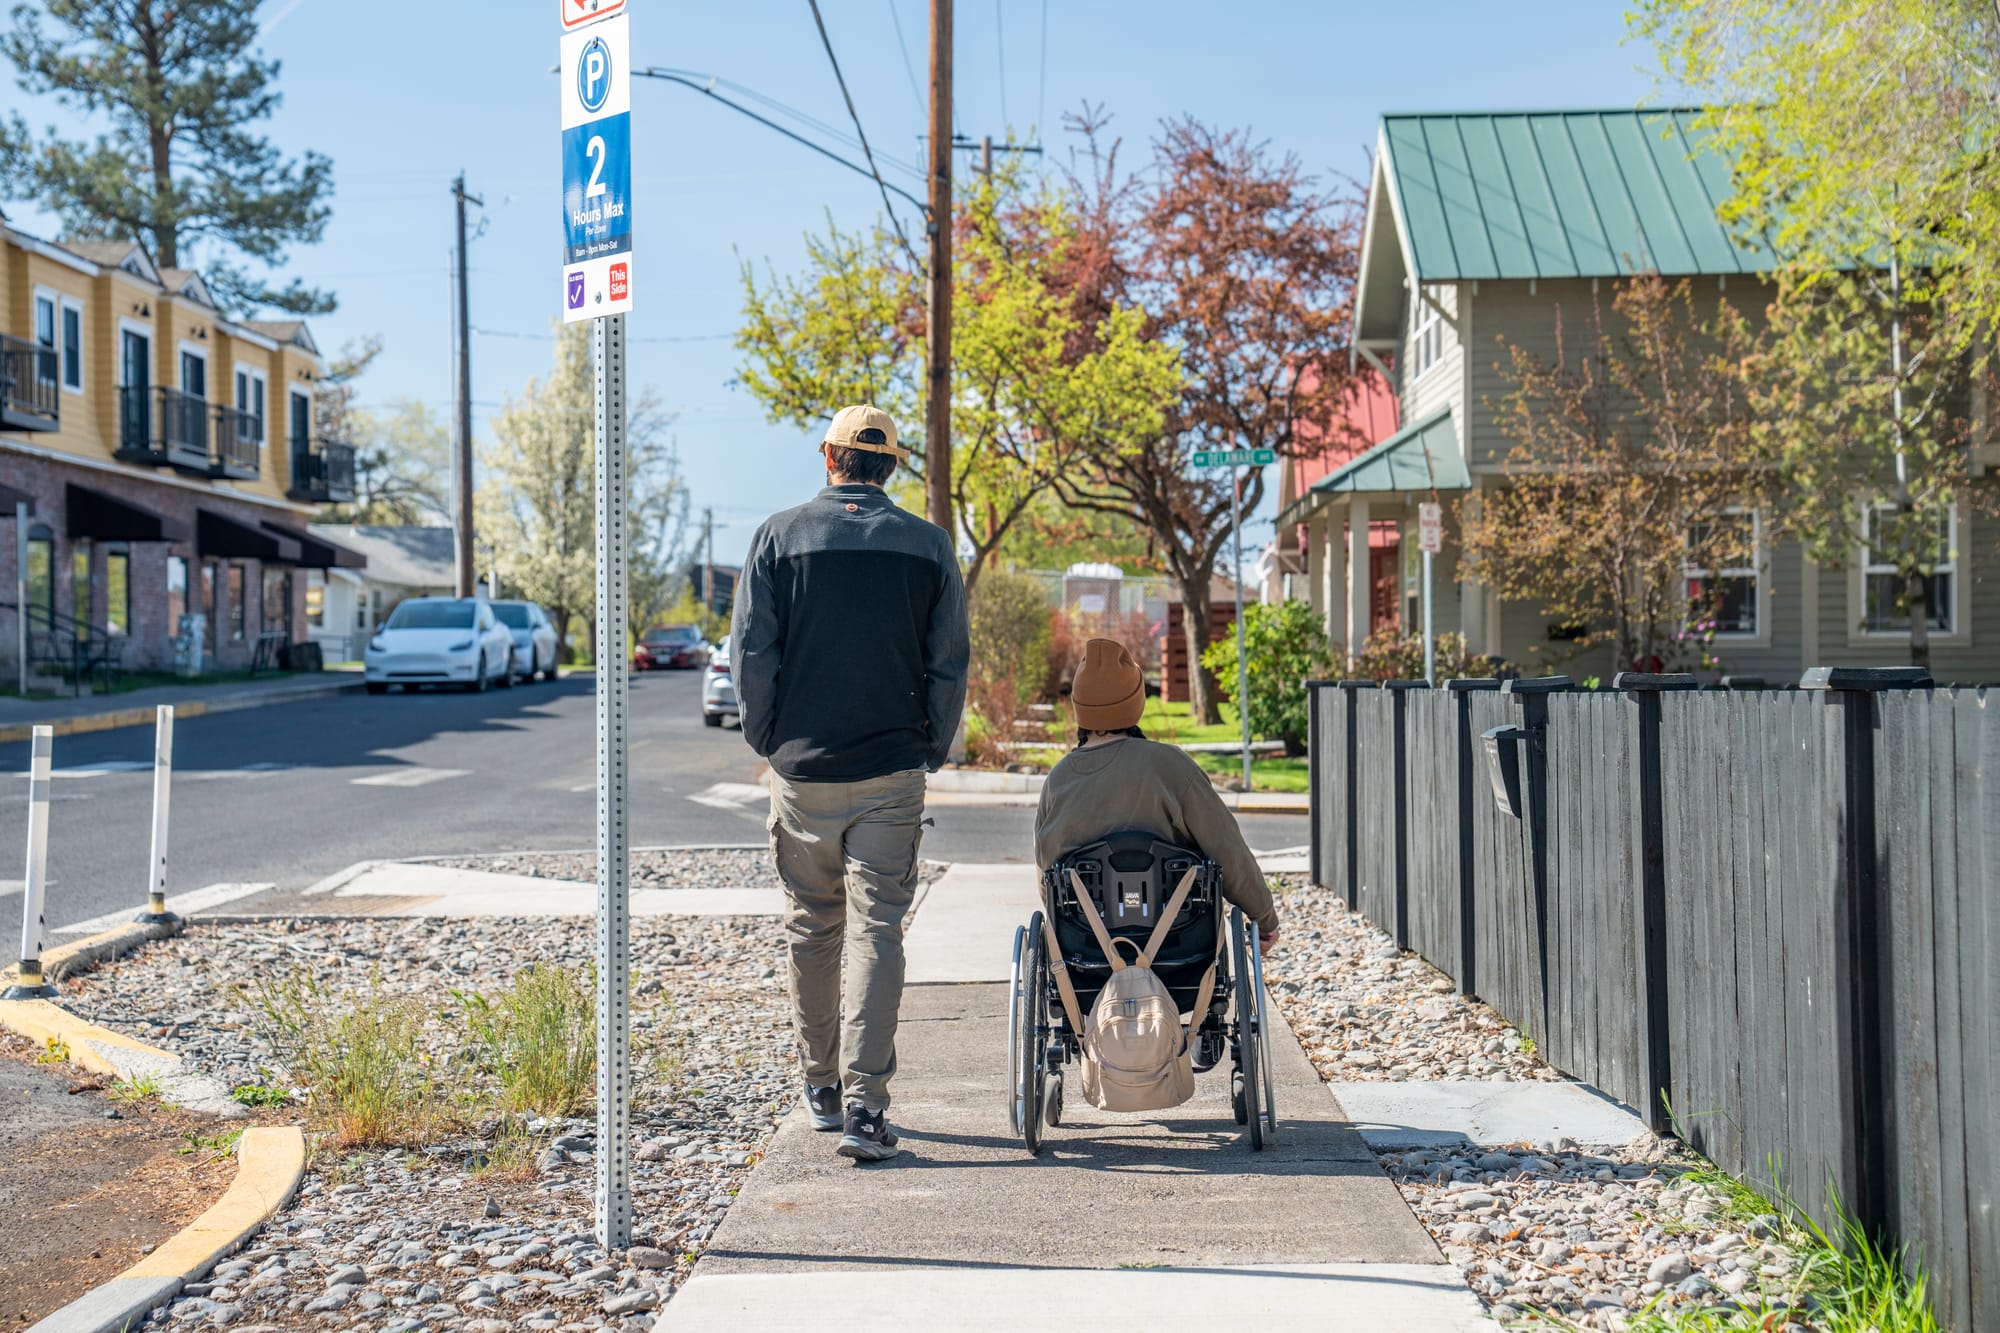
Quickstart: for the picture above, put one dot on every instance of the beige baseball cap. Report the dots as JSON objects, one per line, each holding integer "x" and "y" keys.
{"x": 866, "y": 428}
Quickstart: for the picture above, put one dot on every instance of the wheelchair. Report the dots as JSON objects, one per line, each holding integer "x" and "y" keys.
{"x": 1131, "y": 877}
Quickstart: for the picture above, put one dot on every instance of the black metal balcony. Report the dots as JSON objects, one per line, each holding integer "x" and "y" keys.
{"x": 30, "y": 399}
{"x": 238, "y": 438}
{"x": 164, "y": 427}
{"x": 322, "y": 473}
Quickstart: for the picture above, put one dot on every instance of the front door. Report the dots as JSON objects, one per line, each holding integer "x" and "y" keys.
{"x": 1385, "y": 590}
{"x": 194, "y": 375}
{"x": 135, "y": 376}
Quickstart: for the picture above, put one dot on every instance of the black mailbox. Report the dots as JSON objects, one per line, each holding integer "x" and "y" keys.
{"x": 1503, "y": 765}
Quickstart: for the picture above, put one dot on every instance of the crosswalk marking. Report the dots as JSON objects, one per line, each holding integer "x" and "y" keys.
{"x": 409, "y": 777}
{"x": 731, "y": 796}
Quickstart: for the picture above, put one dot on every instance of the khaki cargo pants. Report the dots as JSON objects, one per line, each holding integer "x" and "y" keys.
{"x": 847, "y": 854}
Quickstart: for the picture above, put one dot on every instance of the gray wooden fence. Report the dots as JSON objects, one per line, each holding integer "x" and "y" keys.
{"x": 1770, "y": 920}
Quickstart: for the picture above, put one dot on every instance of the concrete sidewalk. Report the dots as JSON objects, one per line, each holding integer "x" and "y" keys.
{"x": 137, "y": 708}
{"x": 1124, "y": 1222}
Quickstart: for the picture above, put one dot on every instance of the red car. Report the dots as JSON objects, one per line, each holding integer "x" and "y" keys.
{"x": 670, "y": 648}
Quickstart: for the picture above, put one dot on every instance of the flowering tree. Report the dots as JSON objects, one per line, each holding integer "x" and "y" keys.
{"x": 1630, "y": 467}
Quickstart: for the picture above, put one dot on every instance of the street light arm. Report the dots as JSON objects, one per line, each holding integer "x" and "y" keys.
{"x": 653, "y": 72}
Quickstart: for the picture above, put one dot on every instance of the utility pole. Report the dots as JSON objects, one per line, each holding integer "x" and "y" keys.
{"x": 937, "y": 404}
{"x": 987, "y": 149}
{"x": 462, "y": 451}
{"x": 708, "y": 561}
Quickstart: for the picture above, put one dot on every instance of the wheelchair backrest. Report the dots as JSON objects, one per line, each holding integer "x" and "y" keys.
{"x": 1130, "y": 876}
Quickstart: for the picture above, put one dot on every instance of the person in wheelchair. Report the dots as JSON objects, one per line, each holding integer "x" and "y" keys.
{"x": 1116, "y": 780}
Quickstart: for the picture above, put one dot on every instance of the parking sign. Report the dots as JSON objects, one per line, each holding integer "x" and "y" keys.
{"x": 597, "y": 170}
{"x": 1430, "y": 528}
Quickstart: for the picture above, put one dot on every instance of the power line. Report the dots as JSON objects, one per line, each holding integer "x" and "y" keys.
{"x": 854, "y": 116}
{"x": 896, "y": 22}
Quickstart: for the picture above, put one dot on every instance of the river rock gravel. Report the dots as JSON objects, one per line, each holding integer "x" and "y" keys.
{"x": 653, "y": 868}
{"x": 1367, "y": 1012}
{"x": 1547, "y": 1235}
{"x": 478, "y": 1231}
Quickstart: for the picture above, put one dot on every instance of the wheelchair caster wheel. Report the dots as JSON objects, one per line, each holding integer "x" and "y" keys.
{"x": 1052, "y": 1102}
{"x": 1236, "y": 1103}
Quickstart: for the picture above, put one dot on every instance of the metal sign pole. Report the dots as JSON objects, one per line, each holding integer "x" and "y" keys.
{"x": 614, "y": 920}
{"x": 1242, "y": 609}
{"x": 1430, "y": 643}
{"x": 21, "y": 596}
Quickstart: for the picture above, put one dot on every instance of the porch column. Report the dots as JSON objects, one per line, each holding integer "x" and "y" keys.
{"x": 1358, "y": 591}
{"x": 1329, "y": 562}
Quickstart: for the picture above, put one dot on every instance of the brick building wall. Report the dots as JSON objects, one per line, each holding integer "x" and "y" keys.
{"x": 149, "y": 643}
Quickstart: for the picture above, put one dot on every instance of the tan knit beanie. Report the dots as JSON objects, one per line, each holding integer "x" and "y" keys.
{"x": 1109, "y": 693}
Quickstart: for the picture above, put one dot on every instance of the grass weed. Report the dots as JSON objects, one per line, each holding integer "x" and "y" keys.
{"x": 369, "y": 1076}
{"x": 538, "y": 1039}
{"x": 142, "y": 1088}
{"x": 55, "y": 1051}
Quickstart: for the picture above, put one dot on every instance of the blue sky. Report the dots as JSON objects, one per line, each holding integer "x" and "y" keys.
{"x": 402, "y": 103}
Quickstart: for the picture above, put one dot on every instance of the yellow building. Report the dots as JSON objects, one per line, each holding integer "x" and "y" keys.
{"x": 167, "y": 460}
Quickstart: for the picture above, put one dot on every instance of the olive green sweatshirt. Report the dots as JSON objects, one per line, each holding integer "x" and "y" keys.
{"x": 1131, "y": 783}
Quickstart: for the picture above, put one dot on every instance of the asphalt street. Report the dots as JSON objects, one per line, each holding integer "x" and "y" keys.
{"x": 289, "y": 794}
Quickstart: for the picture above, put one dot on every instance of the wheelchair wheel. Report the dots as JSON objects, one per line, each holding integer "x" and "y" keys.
{"x": 1052, "y": 1107}
{"x": 1261, "y": 1006}
{"x": 1249, "y": 1113}
{"x": 1028, "y": 1034}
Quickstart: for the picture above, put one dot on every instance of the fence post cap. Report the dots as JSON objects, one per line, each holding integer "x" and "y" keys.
{"x": 1538, "y": 685}
{"x": 1467, "y": 684}
{"x": 1866, "y": 678}
{"x": 1644, "y": 680}
{"x": 1406, "y": 684}
{"x": 1358, "y": 684}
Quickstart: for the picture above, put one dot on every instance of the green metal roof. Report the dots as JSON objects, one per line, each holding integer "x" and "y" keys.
{"x": 1561, "y": 194}
{"x": 1420, "y": 456}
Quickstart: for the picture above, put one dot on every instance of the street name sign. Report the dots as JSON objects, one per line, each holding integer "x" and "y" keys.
{"x": 1430, "y": 528}
{"x": 597, "y": 168}
{"x": 576, "y": 13}
{"x": 1235, "y": 457}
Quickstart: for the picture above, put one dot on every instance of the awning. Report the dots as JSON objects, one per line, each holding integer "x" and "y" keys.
{"x": 104, "y": 517}
{"x": 222, "y": 536}
{"x": 1423, "y": 456}
{"x": 317, "y": 552}
{"x": 11, "y": 499}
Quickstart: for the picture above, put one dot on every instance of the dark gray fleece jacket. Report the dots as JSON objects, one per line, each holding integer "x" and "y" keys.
{"x": 849, "y": 644}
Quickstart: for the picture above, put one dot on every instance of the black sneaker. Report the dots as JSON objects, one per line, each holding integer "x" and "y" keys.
{"x": 823, "y": 1105}
{"x": 867, "y": 1136}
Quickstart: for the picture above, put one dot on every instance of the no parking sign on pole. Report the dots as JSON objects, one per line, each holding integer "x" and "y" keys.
{"x": 597, "y": 286}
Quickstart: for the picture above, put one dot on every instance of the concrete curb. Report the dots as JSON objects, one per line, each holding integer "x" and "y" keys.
{"x": 270, "y": 1162}
{"x": 82, "y": 955}
{"x": 102, "y": 1051}
{"x": 143, "y": 715}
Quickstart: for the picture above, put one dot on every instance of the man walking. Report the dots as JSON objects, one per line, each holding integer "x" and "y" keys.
{"x": 849, "y": 649}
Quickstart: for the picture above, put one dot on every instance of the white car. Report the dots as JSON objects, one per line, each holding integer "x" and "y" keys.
{"x": 534, "y": 639}
{"x": 440, "y": 641}
{"x": 718, "y": 689}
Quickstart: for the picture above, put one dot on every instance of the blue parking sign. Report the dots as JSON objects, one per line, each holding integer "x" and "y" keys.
{"x": 597, "y": 188}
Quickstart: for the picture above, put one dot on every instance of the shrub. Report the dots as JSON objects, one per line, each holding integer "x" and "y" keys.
{"x": 539, "y": 1039}
{"x": 1012, "y": 629}
{"x": 1402, "y": 658}
{"x": 1286, "y": 646}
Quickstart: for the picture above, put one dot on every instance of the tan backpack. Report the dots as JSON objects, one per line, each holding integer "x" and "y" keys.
{"x": 1137, "y": 1054}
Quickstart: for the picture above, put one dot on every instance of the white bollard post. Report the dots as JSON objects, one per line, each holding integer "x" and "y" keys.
{"x": 156, "y": 913}
{"x": 33, "y": 916}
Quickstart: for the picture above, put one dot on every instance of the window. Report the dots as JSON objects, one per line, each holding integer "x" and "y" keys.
{"x": 278, "y": 601}
{"x": 250, "y": 398}
{"x": 1426, "y": 334}
{"x": 316, "y": 600}
{"x": 431, "y": 613}
{"x": 301, "y": 425}
{"x": 118, "y": 589}
{"x": 45, "y": 338}
{"x": 72, "y": 345}
{"x": 177, "y": 592}
{"x": 1724, "y": 555}
{"x": 42, "y": 574}
{"x": 236, "y": 600}
{"x": 194, "y": 374}
{"x": 79, "y": 585}
{"x": 1886, "y": 531}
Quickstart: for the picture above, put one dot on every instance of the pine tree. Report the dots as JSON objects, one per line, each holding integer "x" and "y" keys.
{"x": 179, "y": 85}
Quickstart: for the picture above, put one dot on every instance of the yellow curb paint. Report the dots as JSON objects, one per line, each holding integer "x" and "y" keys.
{"x": 270, "y": 1161}
{"x": 101, "y": 947}
{"x": 43, "y": 1021}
